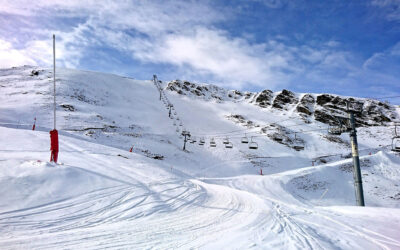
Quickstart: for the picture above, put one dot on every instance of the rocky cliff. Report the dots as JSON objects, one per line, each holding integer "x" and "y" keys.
{"x": 326, "y": 108}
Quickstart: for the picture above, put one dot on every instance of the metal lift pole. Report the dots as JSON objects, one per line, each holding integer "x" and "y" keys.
{"x": 184, "y": 142}
{"x": 356, "y": 160}
{"x": 185, "y": 134}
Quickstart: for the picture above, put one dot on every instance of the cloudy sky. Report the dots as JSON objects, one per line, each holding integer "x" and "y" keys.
{"x": 337, "y": 46}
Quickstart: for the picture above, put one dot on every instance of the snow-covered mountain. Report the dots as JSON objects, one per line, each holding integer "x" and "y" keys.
{"x": 102, "y": 195}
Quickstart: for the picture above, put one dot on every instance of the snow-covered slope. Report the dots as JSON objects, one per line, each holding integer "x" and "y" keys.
{"x": 102, "y": 195}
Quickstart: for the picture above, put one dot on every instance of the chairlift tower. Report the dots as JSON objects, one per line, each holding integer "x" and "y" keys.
{"x": 170, "y": 110}
{"x": 186, "y": 134}
{"x": 342, "y": 128}
{"x": 356, "y": 159}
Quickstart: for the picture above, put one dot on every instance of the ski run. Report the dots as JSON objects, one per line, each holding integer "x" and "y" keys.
{"x": 99, "y": 195}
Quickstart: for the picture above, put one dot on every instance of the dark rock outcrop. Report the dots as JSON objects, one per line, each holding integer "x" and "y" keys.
{"x": 283, "y": 99}
{"x": 264, "y": 98}
{"x": 306, "y": 105}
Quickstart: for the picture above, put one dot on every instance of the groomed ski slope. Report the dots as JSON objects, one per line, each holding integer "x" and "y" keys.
{"x": 101, "y": 195}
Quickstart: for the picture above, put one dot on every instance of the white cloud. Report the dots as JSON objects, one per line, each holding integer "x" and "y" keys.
{"x": 383, "y": 59}
{"x": 391, "y": 8}
{"x": 182, "y": 35}
{"x": 12, "y": 57}
{"x": 230, "y": 60}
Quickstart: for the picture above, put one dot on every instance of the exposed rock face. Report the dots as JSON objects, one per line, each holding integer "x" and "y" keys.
{"x": 306, "y": 105}
{"x": 207, "y": 92}
{"x": 283, "y": 99}
{"x": 264, "y": 98}
{"x": 330, "y": 109}
{"x": 241, "y": 120}
{"x": 326, "y": 108}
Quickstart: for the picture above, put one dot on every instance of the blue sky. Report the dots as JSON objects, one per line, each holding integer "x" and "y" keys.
{"x": 342, "y": 47}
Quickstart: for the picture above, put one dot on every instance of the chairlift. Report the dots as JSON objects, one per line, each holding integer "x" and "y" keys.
{"x": 337, "y": 130}
{"x": 396, "y": 144}
{"x": 245, "y": 139}
{"x": 177, "y": 118}
{"x": 396, "y": 139}
{"x": 174, "y": 123}
{"x": 180, "y": 124}
{"x": 202, "y": 141}
{"x": 228, "y": 145}
{"x": 298, "y": 143}
{"x": 225, "y": 141}
{"x": 253, "y": 144}
{"x": 212, "y": 143}
{"x": 175, "y": 113}
{"x": 177, "y": 130}
{"x": 193, "y": 139}
{"x": 334, "y": 130}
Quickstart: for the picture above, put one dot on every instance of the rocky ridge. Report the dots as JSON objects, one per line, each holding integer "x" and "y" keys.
{"x": 326, "y": 108}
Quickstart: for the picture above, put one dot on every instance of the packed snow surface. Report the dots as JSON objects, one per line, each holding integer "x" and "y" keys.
{"x": 100, "y": 195}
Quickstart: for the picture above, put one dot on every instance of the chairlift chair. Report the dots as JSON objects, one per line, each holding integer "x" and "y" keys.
{"x": 212, "y": 143}
{"x": 174, "y": 123}
{"x": 245, "y": 139}
{"x": 193, "y": 140}
{"x": 202, "y": 141}
{"x": 229, "y": 145}
{"x": 298, "y": 143}
{"x": 177, "y": 130}
{"x": 334, "y": 130}
{"x": 180, "y": 124}
{"x": 225, "y": 141}
{"x": 253, "y": 144}
{"x": 337, "y": 130}
{"x": 396, "y": 144}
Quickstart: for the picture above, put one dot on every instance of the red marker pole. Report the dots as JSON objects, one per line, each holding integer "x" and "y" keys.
{"x": 54, "y": 132}
{"x": 34, "y": 124}
{"x": 130, "y": 150}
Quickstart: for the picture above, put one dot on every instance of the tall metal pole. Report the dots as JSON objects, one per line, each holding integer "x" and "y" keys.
{"x": 356, "y": 162}
{"x": 184, "y": 142}
{"x": 54, "y": 77}
{"x": 186, "y": 134}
